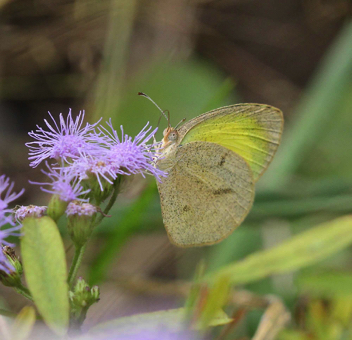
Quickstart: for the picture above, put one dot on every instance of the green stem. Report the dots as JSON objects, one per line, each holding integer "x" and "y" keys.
{"x": 110, "y": 204}
{"x": 24, "y": 291}
{"x": 79, "y": 251}
{"x": 76, "y": 262}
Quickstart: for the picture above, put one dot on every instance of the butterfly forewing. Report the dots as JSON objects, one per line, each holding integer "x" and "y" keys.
{"x": 251, "y": 130}
{"x": 207, "y": 194}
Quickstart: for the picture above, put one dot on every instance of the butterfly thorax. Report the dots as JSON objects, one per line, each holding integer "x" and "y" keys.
{"x": 168, "y": 149}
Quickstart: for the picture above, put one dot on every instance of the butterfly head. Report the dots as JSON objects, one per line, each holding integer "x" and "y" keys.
{"x": 170, "y": 136}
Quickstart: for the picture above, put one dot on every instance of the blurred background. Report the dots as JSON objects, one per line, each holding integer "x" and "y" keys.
{"x": 190, "y": 56}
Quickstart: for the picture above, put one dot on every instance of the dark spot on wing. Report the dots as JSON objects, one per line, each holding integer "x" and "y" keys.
{"x": 186, "y": 208}
{"x": 222, "y": 160}
{"x": 222, "y": 191}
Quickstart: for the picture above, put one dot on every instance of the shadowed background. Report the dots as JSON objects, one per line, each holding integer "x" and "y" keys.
{"x": 189, "y": 56}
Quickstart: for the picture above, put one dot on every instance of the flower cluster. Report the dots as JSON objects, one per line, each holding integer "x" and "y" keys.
{"x": 6, "y": 197}
{"x": 89, "y": 152}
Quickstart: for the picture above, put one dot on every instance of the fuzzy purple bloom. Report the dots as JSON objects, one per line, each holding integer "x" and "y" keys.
{"x": 128, "y": 156}
{"x": 100, "y": 167}
{"x": 61, "y": 142}
{"x": 81, "y": 209}
{"x": 5, "y": 198}
{"x": 115, "y": 156}
{"x": 5, "y": 233}
{"x": 64, "y": 184}
{"x": 88, "y": 152}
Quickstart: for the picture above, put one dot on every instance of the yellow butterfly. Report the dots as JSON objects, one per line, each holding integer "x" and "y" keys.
{"x": 213, "y": 162}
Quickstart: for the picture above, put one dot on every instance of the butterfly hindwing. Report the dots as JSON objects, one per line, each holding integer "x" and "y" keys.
{"x": 207, "y": 194}
{"x": 253, "y": 131}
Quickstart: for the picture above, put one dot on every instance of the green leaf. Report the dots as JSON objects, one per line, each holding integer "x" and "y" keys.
{"x": 215, "y": 301}
{"x": 44, "y": 265}
{"x": 219, "y": 318}
{"x": 327, "y": 284}
{"x": 300, "y": 251}
{"x": 316, "y": 112}
{"x": 24, "y": 323}
{"x": 194, "y": 293}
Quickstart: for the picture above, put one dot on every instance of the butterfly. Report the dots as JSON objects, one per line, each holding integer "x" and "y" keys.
{"x": 213, "y": 162}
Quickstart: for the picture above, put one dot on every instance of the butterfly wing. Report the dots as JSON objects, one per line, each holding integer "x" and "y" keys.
{"x": 251, "y": 130}
{"x": 206, "y": 195}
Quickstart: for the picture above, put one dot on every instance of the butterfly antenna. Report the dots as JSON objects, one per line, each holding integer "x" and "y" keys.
{"x": 179, "y": 123}
{"x": 162, "y": 114}
{"x": 146, "y": 96}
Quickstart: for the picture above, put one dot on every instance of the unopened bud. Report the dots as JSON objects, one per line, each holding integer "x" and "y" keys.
{"x": 11, "y": 278}
{"x": 83, "y": 297}
{"x": 56, "y": 207}
{"x": 81, "y": 218}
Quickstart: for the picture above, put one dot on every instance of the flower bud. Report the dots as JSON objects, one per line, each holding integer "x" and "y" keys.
{"x": 14, "y": 266}
{"x": 56, "y": 207}
{"x": 22, "y": 212}
{"x": 81, "y": 217}
{"x": 82, "y": 298}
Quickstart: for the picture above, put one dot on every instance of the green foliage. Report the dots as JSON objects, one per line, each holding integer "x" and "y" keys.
{"x": 300, "y": 251}
{"x": 45, "y": 267}
{"x": 325, "y": 284}
{"x": 216, "y": 298}
{"x": 319, "y": 109}
{"x": 205, "y": 303}
{"x": 324, "y": 320}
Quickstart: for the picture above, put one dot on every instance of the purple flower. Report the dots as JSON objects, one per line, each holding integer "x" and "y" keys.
{"x": 125, "y": 156}
{"x": 6, "y": 196}
{"x": 85, "y": 153}
{"x": 31, "y": 210}
{"x": 100, "y": 167}
{"x": 64, "y": 184}
{"x": 61, "y": 142}
{"x": 5, "y": 233}
{"x": 81, "y": 209}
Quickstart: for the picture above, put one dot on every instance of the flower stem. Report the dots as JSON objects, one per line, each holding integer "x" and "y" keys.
{"x": 111, "y": 202}
{"x": 76, "y": 262}
{"x": 24, "y": 291}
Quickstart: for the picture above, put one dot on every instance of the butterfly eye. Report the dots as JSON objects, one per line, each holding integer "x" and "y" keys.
{"x": 173, "y": 136}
